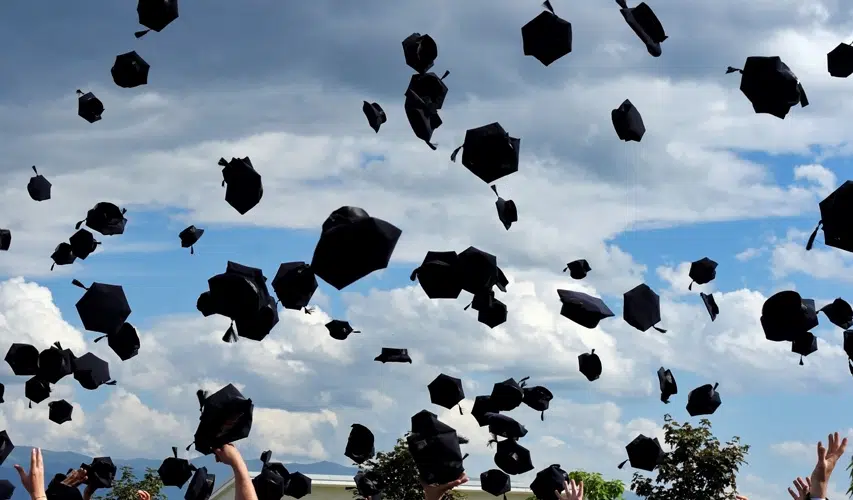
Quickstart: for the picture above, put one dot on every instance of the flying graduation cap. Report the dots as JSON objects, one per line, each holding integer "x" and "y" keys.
{"x": 130, "y": 70}
{"x": 7, "y": 489}
{"x": 59, "y": 411}
{"x": 548, "y": 482}
{"x": 155, "y": 15}
{"x": 804, "y": 344}
{"x": 92, "y": 372}
{"x": 5, "y": 239}
{"x": 271, "y": 482}
{"x": 547, "y": 37}
{"x": 294, "y": 285}
{"x": 839, "y": 61}
{"x": 489, "y": 152}
{"x": 438, "y": 275}
{"x": 190, "y": 237}
{"x": 423, "y": 117}
{"x": 175, "y": 471}
{"x": 6, "y": 446}
{"x": 507, "y": 395}
{"x": 578, "y": 269}
{"x": 839, "y": 313}
{"x": 702, "y": 271}
{"x": 124, "y": 342}
{"x": 36, "y": 390}
{"x": 103, "y": 308}
{"x": 360, "y": 444}
{"x": 785, "y": 314}
{"x": 641, "y": 308}
{"x": 590, "y": 365}
{"x": 226, "y": 416}
{"x": 241, "y": 294}
{"x": 368, "y": 484}
{"x": 298, "y": 485}
{"x": 89, "y": 107}
{"x": 105, "y": 218}
{"x": 668, "y": 387}
{"x": 38, "y": 187}
{"x": 583, "y": 309}
{"x": 645, "y": 24}
{"x": 83, "y": 243}
{"x": 495, "y": 482}
{"x": 201, "y": 485}
{"x": 492, "y": 312}
{"x": 100, "y": 473}
{"x": 58, "y": 491}
{"x": 245, "y": 186}
{"x": 507, "y": 211}
{"x": 770, "y": 85}
{"x": 420, "y": 52}
{"x": 539, "y": 398}
{"x": 710, "y": 304}
{"x": 430, "y": 88}
{"x": 393, "y": 355}
{"x": 627, "y": 122}
{"x": 703, "y": 400}
{"x": 644, "y": 453}
{"x": 446, "y": 391}
{"x": 513, "y": 458}
{"x": 23, "y": 359}
{"x": 482, "y": 406}
{"x": 504, "y": 426}
{"x": 55, "y": 363}
{"x": 434, "y": 447}
{"x": 479, "y": 271}
{"x": 62, "y": 255}
{"x": 375, "y": 115}
{"x": 340, "y": 330}
{"x": 836, "y": 225}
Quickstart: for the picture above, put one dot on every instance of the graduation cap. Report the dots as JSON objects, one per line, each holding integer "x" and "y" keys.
{"x": 513, "y": 458}
{"x": 62, "y": 255}
{"x": 89, "y": 107}
{"x": 352, "y": 245}
{"x": 270, "y": 483}
{"x": 804, "y": 344}
{"x": 298, "y": 486}
{"x": 23, "y": 359}
{"x": 839, "y": 313}
{"x": 190, "y": 237}
{"x": 124, "y": 342}
{"x": 495, "y": 482}
{"x": 240, "y": 292}
{"x": 539, "y": 398}
{"x": 245, "y": 185}
{"x": 578, "y": 269}
{"x": 642, "y": 308}
{"x": 105, "y": 218}
{"x": 340, "y": 330}
{"x": 393, "y": 355}
{"x": 628, "y": 122}
{"x": 434, "y": 447}
{"x": 548, "y": 482}
{"x": 583, "y": 309}
{"x": 55, "y": 363}
{"x": 257, "y": 325}
{"x": 226, "y": 416}
{"x": 834, "y": 219}
{"x": 438, "y": 275}
{"x": 482, "y": 406}
{"x": 505, "y": 426}
{"x": 92, "y": 372}
{"x": 479, "y": 271}
{"x": 5, "y": 239}
{"x": 420, "y": 52}
{"x": 130, "y": 70}
{"x": 83, "y": 243}
{"x": 375, "y": 115}
{"x": 38, "y": 187}
{"x": 489, "y": 152}
{"x": 103, "y": 308}
{"x": 430, "y": 88}
{"x": 507, "y": 395}
{"x": 784, "y": 314}
{"x": 6, "y": 446}
{"x": 58, "y": 491}
{"x": 710, "y": 304}
{"x": 702, "y": 271}
{"x": 60, "y": 411}
{"x": 507, "y": 211}
{"x": 368, "y": 484}
{"x": 155, "y": 15}
{"x": 590, "y": 365}
{"x": 668, "y": 387}
{"x": 494, "y": 313}
{"x": 645, "y": 24}
{"x": 294, "y": 285}
{"x": 446, "y": 391}
{"x": 360, "y": 444}
{"x": 423, "y": 117}
{"x": 770, "y": 85}
{"x": 100, "y": 473}
{"x": 848, "y": 343}
{"x": 201, "y": 485}
{"x": 644, "y": 453}
{"x": 547, "y": 37}
{"x": 703, "y": 400}
{"x": 839, "y": 61}
{"x": 7, "y": 489}
{"x": 175, "y": 471}
{"x": 36, "y": 390}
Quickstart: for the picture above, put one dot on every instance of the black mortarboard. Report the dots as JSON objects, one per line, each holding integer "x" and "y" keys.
{"x": 489, "y": 152}
{"x": 423, "y": 117}
{"x": 505, "y": 426}
{"x": 175, "y": 471}
{"x": 125, "y": 342}
{"x": 375, "y": 115}
{"x": 240, "y": 293}
{"x": 368, "y": 484}
{"x": 703, "y": 400}
{"x": 548, "y": 482}
{"x": 420, "y": 52}
{"x": 702, "y": 271}
{"x": 446, "y": 391}
{"x": 430, "y": 88}
{"x": 340, "y": 330}
{"x": 507, "y": 211}
{"x": 839, "y": 313}
{"x": 513, "y": 458}
{"x": 83, "y": 243}
{"x": 294, "y": 285}
{"x": 547, "y": 37}
{"x": 628, "y": 122}
{"x": 36, "y": 390}
{"x": 92, "y": 372}
{"x": 583, "y": 309}
{"x": 479, "y": 271}
{"x": 190, "y": 236}
{"x": 578, "y": 269}
{"x": 89, "y": 107}
{"x": 156, "y": 14}
{"x": 360, "y": 444}
{"x": 62, "y": 255}
{"x": 495, "y": 482}
{"x": 257, "y": 325}
{"x": 7, "y": 489}
{"x": 539, "y": 398}
{"x": 438, "y": 275}
{"x": 100, "y": 473}
{"x": 482, "y": 406}
{"x": 834, "y": 219}
{"x": 352, "y": 245}
{"x": 105, "y": 218}
{"x": 201, "y": 485}
{"x": 38, "y": 187}
{"x": 245, "y": 186}
{"x": 507, "y": 395}
{"x": 770, "y": 85}
{"x": 55, "y": 363}
{"x": 644, "y": 453}
{"x": 2, "y": 393}
{"x": 103, "y": 308}
{"x": 270, "y": 483}
{"x": 848, "y": 343}
{"x": 393, "y": 355}
{"x": 5, "y": 239}
{"x": 434, "y": 447}
{"x": 641, "y": 308}
{"x": 668, "y": 387}
{"x": 804, "y": 344}
{"x": 493, "y": 314}
{"x": 785, "y": 314}
{"x": 710, "y": 304}
{"x": 590, "y": 365}
{"x": 645, "y": 24}
{"x": 130, "y": 70}
{"x": 58, "y": 491}
{"x": 298, "y": 486}
{"x": 60, "y": 411}
{"x": 226, "y": 416}
{"x": 839, "y": 61}
{"x": 23, "y": 359}
{"x": 6, "y": 446}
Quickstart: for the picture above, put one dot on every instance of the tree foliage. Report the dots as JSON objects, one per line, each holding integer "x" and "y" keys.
{"x": 698, "y": 467}
{"x": 399, "y": 475}
{"x": 126, "y": 485}
{"x": 595, "y": 487}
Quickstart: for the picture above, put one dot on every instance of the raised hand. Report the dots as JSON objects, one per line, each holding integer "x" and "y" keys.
{"x": 827, "y": 458}
{"x": 437, "y": 491}
{"x": 33, "y": 481}
{"x": 803, "y": 487}
{"x": 571, "y": 491}
{"x": 228, "y": 455}
{"x": 143, "y": 495}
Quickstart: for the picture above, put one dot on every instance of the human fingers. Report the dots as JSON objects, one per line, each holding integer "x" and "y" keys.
{"x": 793, "y": 495}
{"x": 580, "y": 491}
{"x": 22, "y": 473}
{"x": 39, "y": 459}
{"x": 842, "y": 447}
{"x": 33, "y": 460}
{"x": 821, "y": 452}
{"x": 801, "y": 486}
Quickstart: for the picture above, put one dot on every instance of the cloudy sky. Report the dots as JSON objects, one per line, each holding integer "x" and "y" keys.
{"x": 283, "y": 83}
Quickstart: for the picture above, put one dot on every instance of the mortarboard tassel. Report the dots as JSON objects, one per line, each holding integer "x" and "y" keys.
{"x": 52, "y": 266}
{"x": 175, "y": 451}
{"x": 469, "y": 305}
{"x": 140, "y": 34}
{"x": 31, "y": 404}
{"x": 465, "y": 456}
{"x": 659, "y": 329}
{"x": 111, "y": 382}
{"x": 664, "y": 398}
{"x": 460, "y": 409}
{"x": 77, "y": 283}
{"x": 690, "y": 286}
{"x": 77, "y": 226}
{"x": 850, "y": 366}
{"x": 308, "y": 310}
{"x": 542, "y": 416}
{"x": 523, "y": 382}
{"x": 801, "y": 360}
{"x": 192, "y": 250}
{"x": 201, "y": 395}
{"x": 504, "y": 496}
{"x": 101, "y": 338}
{"x": 230, "y": 335}
{"x": 623, "y": 464}
{"x": 454, "y": 153}
{"x": 810, "y": 243}
{"x": 804, "y": 100}
{"x": 733, "y": 70}
{"x": 189, "y": 446}
{"x": 265, "y": 457}
{"x": 35, "y": 170}
{"x": 356, "y": 331}
{"x": 547, "y": 5}
{"x": 622, "y": 4}
{"x": 566, "y": 268}
{"x": 414, "y": 275}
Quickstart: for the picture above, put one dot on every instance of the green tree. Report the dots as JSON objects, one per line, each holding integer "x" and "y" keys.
{"x": 595, "y": 487}
{"x": 400, "y": 475}
{"x": 698, "y": 467}
{"x": 126, "y": 485}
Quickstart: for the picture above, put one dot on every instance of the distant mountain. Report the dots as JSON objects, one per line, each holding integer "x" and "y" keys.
{"x": 60, "y": 461}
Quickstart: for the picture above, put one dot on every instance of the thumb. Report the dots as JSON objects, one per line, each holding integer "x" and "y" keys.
{"x": 20, "y": 471}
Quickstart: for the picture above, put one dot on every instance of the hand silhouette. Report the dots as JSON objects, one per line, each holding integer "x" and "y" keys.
{"x": 803, "y": 488}
{"x": 33, "y": 481}
{"x": 143, "y": 495}
{"x": 571, "y": 491}
{"x": 437, "y": 491}
{"x": 75, "y": 478}
{"x": 827, "y": 458}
